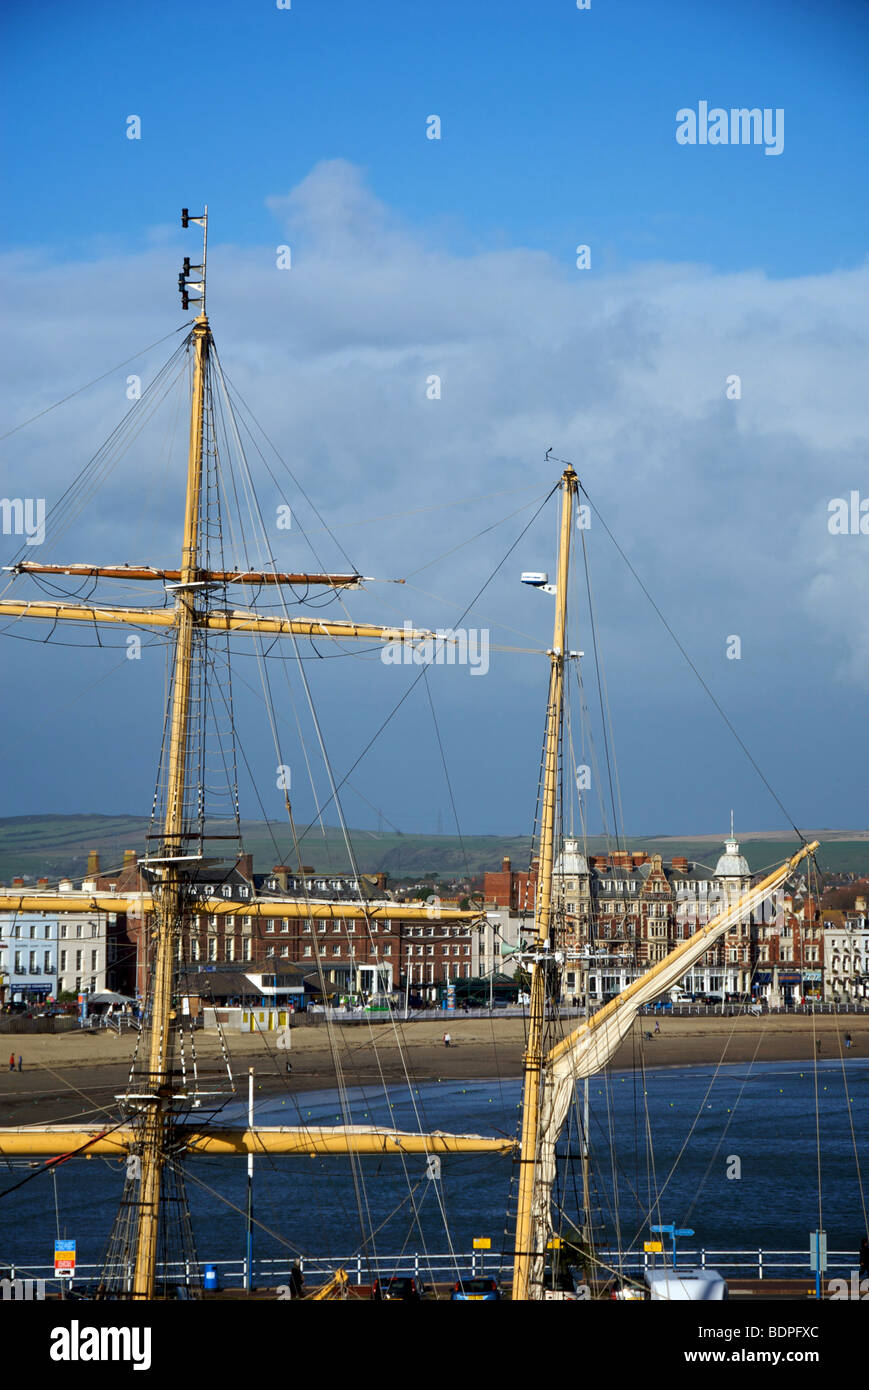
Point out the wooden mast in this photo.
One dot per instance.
(543, 913)
(169, 888)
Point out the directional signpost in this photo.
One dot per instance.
(64, 1259)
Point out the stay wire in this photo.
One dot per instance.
(95, 382)
(693, 667)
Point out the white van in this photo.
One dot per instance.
(685, 1285)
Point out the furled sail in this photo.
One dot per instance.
(588, 1049)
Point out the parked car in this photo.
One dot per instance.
(476, 1290)
(398, 1288)
(628, 1288)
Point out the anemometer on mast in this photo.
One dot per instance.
(184, 282)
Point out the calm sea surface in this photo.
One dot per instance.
(667, 1152)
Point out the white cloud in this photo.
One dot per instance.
(721, 504)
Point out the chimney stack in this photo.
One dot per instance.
(130, 857)
(93, 863)
(281, 873)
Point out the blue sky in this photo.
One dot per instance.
(457, 256)
(558, 125)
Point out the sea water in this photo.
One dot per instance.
(731, 1152)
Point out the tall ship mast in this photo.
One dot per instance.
(161, 1116)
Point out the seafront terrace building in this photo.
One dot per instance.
(846, 955)
(619, 913)
(46, 954)
(348, 956)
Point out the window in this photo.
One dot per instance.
(227, 890)
(230, 948)
(78, 956)
(248, 949)
(214, 920)
(270, 924)
(247, 923)
(17, 931)
(336, 949)
(230, 923)
(212, 948)
(19, 962)
(307, 951)
(32, 933)
(78, 933)
(63, 960)
(63, 931)
(93, 960)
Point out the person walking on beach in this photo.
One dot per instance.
(447, 1039)
(847, 1039)
(657, 1025)
(818, 1046)
(12, 1062)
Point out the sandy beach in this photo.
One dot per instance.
(75, 1076)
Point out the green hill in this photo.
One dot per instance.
(57, 846)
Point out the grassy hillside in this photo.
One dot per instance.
(55, 846)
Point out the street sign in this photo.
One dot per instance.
(818, 1250)
(64, 1259)
(653, 1247)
